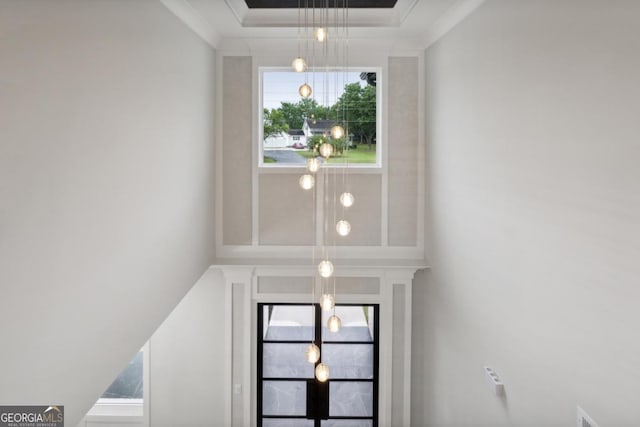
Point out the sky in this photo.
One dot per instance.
(282, 86)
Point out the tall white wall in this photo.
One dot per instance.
(532, 122)
(106, 189)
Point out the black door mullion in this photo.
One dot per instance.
(259, 369)
(323, 396)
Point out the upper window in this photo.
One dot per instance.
(292, 126)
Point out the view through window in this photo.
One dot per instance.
(129, 384)
(125, 397)
(292, 126)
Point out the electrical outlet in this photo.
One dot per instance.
(494, 382)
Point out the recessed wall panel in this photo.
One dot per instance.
(286, 211)
(357, 285)
(403, 151)
(285, 285)
(236, 150)
(365, 214)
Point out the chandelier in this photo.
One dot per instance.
(325, 50)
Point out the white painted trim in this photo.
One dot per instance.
(239, 276)
(219, 231)
(404, 8)
(256, 100)
(228, 351)
(448, 20)
(184, 11)
(354, 169)
(238, 7)
(385, 394)
(421, 155)
(371, 18)
(380, 272)
(248, 391)
(304, 299)
(252, 360)
(406, 416)
(383, 153)
(359, 253)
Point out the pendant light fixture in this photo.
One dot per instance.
(322, 372)
(325, 46)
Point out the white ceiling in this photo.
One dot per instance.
(415, 22)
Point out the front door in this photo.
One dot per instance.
(288, 393)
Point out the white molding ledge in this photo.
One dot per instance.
(194, 20)
(452, 17)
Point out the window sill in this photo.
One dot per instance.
(123, 409)
(353, 168)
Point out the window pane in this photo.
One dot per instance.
(286, 422)
(288, 323)
(347, 423)
(284, 398)
(128, 385)
(286, 361)
(292, 125)
(351, 399)
(349, 360)
(357, 324)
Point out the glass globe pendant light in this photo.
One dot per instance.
(334, 323)
(326, 150)
(343, 227)
(307, 181)
(305, 90)
(320, 34)
(325, 268)
(299, 65)
(322, 372)
(313, 165)
(313, 353)
(347, 199)
(327, 302)
(337, 132)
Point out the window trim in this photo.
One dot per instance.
(380, 136)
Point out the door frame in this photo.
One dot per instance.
(318, 328)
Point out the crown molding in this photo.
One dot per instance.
(194, 20)
(365, 20)
(452, 17)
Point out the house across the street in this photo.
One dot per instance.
(294, 138)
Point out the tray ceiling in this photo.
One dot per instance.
(294, 4)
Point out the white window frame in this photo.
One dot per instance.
(380, 81)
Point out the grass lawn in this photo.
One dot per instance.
(362, 154)
(266, 159)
